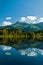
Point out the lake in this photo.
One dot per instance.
(21, 52)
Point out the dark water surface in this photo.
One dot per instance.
(21, 53)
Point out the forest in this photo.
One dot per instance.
(19, 33)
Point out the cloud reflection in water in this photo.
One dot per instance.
(28, 51)
(31, 52)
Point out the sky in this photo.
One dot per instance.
(13, 10)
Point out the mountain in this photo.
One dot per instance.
(24, 26)
(27, 27)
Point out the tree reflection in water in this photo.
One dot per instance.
(21, 42)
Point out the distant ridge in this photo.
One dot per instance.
(24, 26)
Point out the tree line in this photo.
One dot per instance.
(20, 33)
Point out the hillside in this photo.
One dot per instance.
(24, 26)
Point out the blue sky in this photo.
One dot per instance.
(20, 8)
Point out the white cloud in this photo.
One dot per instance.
(22, 19)
(6, 23)
(31, 19)
(40, 19)
(6, 47)
(28, 19)
(8, 18)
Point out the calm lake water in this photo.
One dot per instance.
(21, 53)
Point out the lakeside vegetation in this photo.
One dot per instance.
(19, 38)
(13, 35)
(19, 33)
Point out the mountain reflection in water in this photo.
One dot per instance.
(22, 43)
(29, 56)
(20, 51)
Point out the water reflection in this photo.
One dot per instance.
(28, 51)
(31, 52)
(19, 39)
(5, 49)
(29, 56)
(21, 50)
(22, 43)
